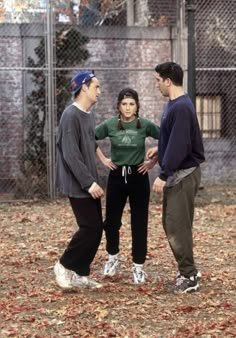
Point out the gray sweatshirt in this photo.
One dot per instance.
(76, 162)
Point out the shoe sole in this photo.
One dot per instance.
(63, 286)
(189, 290)
(86, 287)
(74, 286)
(110, 274)
(96, 287)
(192, 289)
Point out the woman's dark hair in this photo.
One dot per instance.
(172, 71)
(124, 94)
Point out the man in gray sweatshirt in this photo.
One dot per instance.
(76, 177)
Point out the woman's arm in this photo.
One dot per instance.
(106, 161)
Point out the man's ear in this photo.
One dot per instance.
(168, 82)
(84, 87)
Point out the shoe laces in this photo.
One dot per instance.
(85, 281)
(75, 278)
(180, 280)
(113, 259)
(111, 262)
(93, 283)
(140, 274)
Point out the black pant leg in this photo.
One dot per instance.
(139, 195)
(116, 196)
(84, 244)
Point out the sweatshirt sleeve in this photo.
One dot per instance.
(179, 143)
(72, 155)
(153, 130)
(101, 131)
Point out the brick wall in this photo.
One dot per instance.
(11, 110)
(121, 56)
(122, 50)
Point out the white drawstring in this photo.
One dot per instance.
(126, 171)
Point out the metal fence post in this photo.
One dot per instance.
(180, 24)
(130, 13)
(50, 101)
(191, 51)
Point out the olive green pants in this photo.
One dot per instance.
(177, 219)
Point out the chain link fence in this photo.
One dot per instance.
(215, 82)
(45, 42)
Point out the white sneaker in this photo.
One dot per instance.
(139, 274)
(63, 276)
(68, 279)
(111, 265)
(84, 282)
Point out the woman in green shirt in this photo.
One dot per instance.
(128, 178)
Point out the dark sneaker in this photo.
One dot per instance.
(198, 275)
(185, 285)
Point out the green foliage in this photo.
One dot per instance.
(70, 51)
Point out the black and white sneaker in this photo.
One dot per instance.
(138, 274)
(185, 285)
(198, 275)
(111, 266)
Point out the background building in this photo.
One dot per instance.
(44, 42)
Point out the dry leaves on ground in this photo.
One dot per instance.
(34, 235)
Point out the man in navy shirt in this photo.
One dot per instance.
(180, 153)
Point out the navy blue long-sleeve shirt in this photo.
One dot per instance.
(180, 143)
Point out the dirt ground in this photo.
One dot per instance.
(34, 234)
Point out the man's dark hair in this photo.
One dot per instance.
(172, 71)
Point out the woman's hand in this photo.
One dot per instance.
(106, 161)
(109, 164)
(147, 165)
